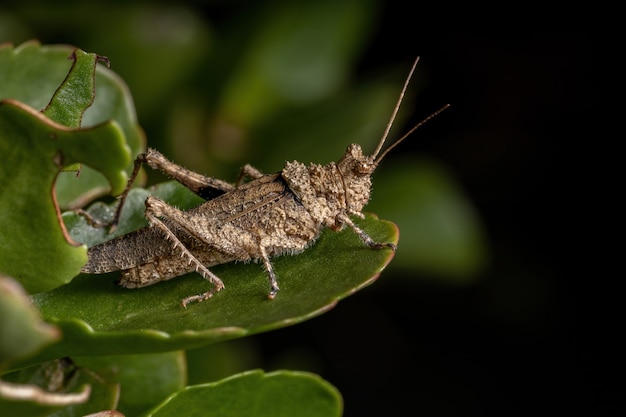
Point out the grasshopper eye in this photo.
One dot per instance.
(363, 168)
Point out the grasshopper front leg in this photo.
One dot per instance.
(365, 238)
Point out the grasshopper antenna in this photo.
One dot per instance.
(393, 118)
(407, 134)
(395, 110)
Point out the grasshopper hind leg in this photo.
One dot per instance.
(177, 244)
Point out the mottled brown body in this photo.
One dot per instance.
(268, 216)
(271, 215)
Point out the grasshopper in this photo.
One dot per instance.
(267, 216)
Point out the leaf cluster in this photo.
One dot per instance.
(81, 332)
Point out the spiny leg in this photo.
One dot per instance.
(365, 238)
(200, 184)
(152, 213)
(205, 187)
(270, 272)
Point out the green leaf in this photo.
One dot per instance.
(255, 393)
(31, 73)
(112, 102)
(43, 76)
(76, 93)
(33, 246)
(22, 332)
(99, 317)
(144, 380)
(35, 149)
(132, 216)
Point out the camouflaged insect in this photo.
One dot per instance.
(270, 215)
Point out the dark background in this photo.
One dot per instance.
(521, 340)
(532, 334)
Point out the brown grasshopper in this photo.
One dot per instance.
(270, 215)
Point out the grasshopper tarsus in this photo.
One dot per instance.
(197, 298)
(273, 290)
(366, 239)
(387, 245)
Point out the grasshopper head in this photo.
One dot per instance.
(356, 170)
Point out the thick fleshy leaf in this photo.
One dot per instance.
(144, 380)
(22, 332)
(98, 317)
(112, 102)
(33, 246)
(35, 147)
(44, 77)
(31, 73)
(76, 92)
(255, 393)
